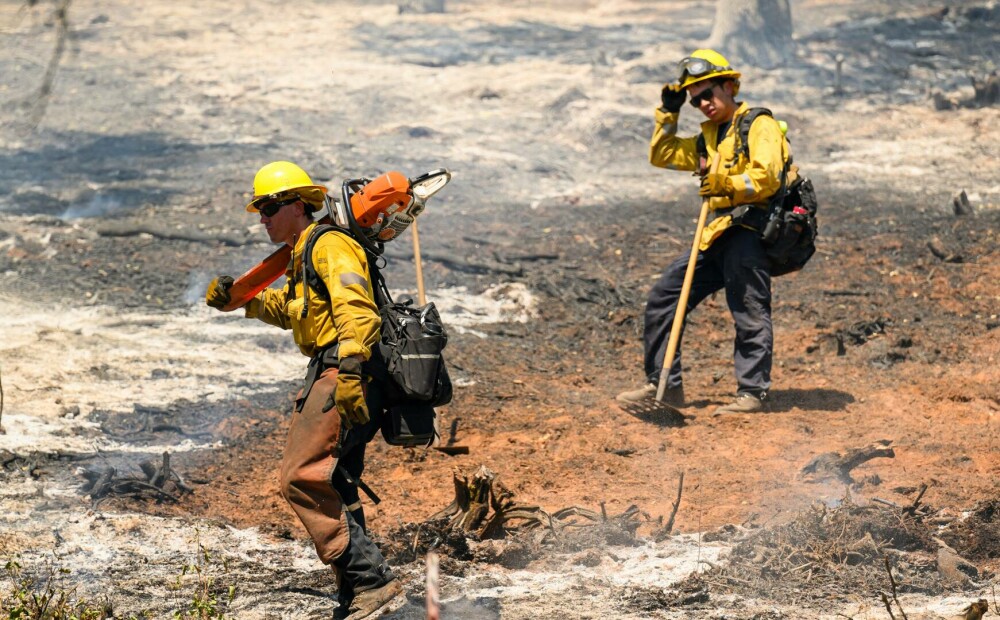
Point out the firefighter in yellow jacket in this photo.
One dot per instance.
(738, 184)
(338, 411)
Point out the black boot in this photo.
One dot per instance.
(367, 584)
(362, 566)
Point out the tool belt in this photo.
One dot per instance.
(327, 358)
(751, 216)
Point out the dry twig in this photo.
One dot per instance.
(892, 583)
(45, 91)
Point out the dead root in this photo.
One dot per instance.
(485, 523)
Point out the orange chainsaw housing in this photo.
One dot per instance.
(381, 199)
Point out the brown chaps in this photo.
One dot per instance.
(307, 467)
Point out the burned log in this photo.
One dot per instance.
(839, 465)
(160, 483)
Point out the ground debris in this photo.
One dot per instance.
(153, 420)
(160, 482)
(862, 331)
(689, 593)
(839, 551)
(486, 524)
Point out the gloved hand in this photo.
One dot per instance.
(350, 394)
(716, 184)
(673, 97)
(217, 295)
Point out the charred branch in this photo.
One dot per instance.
(938, 249)
(839, 465)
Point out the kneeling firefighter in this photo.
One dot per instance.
(742, 157)
(339, 409)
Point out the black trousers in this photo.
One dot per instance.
(737, 263)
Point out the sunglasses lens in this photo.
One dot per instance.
(269, 209)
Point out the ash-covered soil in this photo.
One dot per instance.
(126, 198)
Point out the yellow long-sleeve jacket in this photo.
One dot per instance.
(753, 180)
(350, 317)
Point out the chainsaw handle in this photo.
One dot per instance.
(347, 190)
(258, 278)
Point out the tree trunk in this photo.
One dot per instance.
(754, 32)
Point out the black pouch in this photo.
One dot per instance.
(412, 342)
(789, 237)
(410, 425)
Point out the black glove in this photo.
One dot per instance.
(217, 295)
(673, 97)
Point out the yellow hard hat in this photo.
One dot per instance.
(281, 178)
(705, 64)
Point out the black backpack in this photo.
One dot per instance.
(408, 362)
(789, 229)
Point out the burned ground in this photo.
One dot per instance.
(113, 224)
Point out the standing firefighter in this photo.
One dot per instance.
(738, 180)
(338, 411)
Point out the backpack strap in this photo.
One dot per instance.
(743, 130)
(312, 280)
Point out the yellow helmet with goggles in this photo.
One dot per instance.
(282, 181)
(705, 64)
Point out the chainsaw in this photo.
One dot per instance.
(372, 211)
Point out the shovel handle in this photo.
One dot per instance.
(675, 330)
(421, 296)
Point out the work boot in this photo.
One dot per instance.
(362, 569)
(745, 402)
(370, 602)
(673, 396)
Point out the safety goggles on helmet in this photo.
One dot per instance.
(270, 208)
(697, 67)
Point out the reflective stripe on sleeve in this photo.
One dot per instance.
(748, 190)
(347, 279)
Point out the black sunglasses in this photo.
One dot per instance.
(704, 95)
(271, 208)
